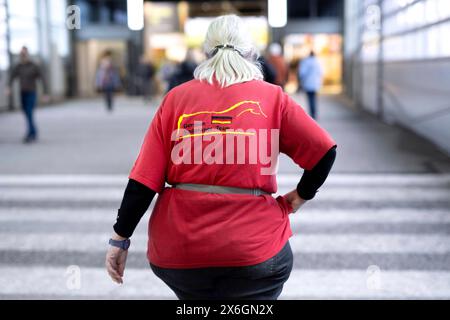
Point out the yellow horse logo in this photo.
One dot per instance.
(223, 117)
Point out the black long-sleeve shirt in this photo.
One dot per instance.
(137, 197)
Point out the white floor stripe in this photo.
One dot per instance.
(65, 179)
(93, 281)
(387, 180)
(348, 243)
(320, 284)
(58, 215)
(372, 284)
(374, 243)
(72, 194)
(306, 215)
(378, 194)
(409, 215)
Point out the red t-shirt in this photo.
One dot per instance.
(190, 141)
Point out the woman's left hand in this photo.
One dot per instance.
(294, 200)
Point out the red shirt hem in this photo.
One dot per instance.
(236, 263)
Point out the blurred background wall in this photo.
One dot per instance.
(397, 60)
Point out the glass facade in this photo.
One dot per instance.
(385, 31)
(409, 29)
(57, 21)
(23, 26)
(412, 29)
(103, 11)
(4, 61)
(40, 25)
(397, 55)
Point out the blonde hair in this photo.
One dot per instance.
(232, 57)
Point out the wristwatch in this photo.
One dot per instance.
(122, 244)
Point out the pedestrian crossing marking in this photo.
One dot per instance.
(63, 201)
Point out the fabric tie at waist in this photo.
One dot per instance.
(218, 189)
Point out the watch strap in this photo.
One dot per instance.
(123, 244)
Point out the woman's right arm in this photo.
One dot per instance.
(309, 146)
(147, 177)
(136, 200)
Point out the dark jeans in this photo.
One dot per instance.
(312, 102)
(109, 95)
(28, 101)
(263, 281)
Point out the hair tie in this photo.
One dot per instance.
(225, 46)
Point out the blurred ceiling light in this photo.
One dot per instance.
(277, 13)
(135, 14)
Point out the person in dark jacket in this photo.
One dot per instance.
(145, 73)
(269, 72)
(107, 79)
(28, 73)
(183, 72)
(276, 59)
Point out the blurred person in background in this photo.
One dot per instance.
(268, 70)
(28, 74)
(107, 79)
(145, 73)
(276, 59)
(217, 232)
(165, 73)
(294, 67)
(311, 76)
(183, 72)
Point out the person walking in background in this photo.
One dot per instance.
(310, 75)
(183, 72)
(145, 73)
(165, 73)
(107, 79)
(28, 73)
(276, 59)
(217, 232)
(268, 70)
